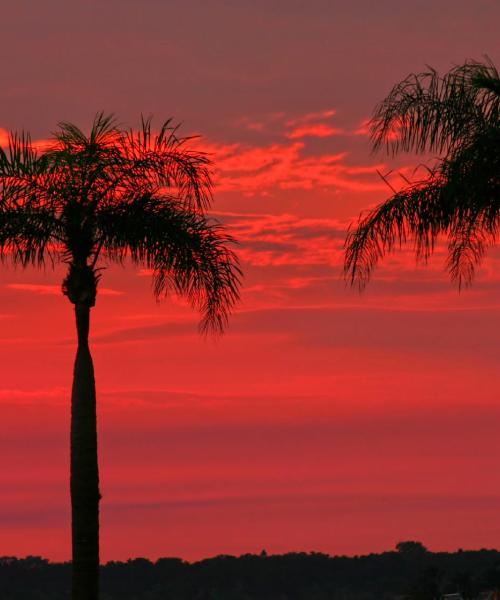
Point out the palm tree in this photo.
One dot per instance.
(457, 116)
(107, 196)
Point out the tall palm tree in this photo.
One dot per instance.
(456, 116)
(88, 200)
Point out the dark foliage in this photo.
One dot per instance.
(97, 199)
(410, 572)
(457, 116)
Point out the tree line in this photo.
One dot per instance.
(410, 572)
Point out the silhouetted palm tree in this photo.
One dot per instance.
(457, 116)
(106, 196)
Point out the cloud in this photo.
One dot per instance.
(364, 130)
(147, 332)
(326, 501)
(285, 166)
(392, 328)
(311, 116)
(4, 137)
(33, 396)
(313, 125)
(54, 290)
(276, 120)
(307, 313)
(252, 125)
(42, 289)
(286, 239)
(300, 162)
(317, 130)
(40, 144)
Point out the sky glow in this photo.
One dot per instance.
(323, 420)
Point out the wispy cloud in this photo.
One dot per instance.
(53, 290)
(311, 116)
(287, 166)
(319, 130)
(33, 396)
(278, 120)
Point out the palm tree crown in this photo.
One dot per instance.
(118, 193)
(457, 116)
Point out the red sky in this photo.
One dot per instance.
(323, 420)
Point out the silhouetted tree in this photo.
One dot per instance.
(411, 547)
(105, 196)
(458, 116)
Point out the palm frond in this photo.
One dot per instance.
(460, 198)
(485, 80)
(165, 159)
(186, 252)
(27, 236)
(102, 131)
(466, 249)
(428, 112)
(473, 181)
(19, 158)
(419, 214)
(457, 114)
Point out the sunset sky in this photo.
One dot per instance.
(324, 419)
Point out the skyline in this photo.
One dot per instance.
(323, 419)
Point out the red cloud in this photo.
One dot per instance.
(364, 129)
(274, 119)
(53, 290)
(315, 130)
(286, 240)
(251, 169)
(312, 116)
(4, 137)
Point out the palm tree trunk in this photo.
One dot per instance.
(84, 469)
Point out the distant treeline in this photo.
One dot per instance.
(408, 572)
